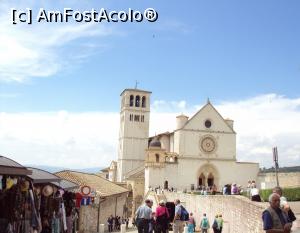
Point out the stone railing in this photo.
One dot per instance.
(239, 213)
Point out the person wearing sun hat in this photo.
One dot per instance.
(47, 191)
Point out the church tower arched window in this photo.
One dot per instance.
(137, 101)
(131, 100)
(143, 102)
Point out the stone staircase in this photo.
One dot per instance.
(239, 213)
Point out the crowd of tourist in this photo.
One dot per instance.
(278, 217)
(114, 223)
(160, 220)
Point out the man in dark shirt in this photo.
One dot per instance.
(275, 221)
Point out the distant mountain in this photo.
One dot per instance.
(281, 169)
(53, 169)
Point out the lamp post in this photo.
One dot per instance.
(275, 159)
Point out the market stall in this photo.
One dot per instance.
(18, 208)
(55, 203)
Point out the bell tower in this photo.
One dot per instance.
(134, 130)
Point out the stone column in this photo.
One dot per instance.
(123, 228)
(101, 228)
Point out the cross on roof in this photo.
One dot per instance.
(136, 84)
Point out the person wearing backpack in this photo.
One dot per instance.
(215, 225)
(180, 217)
(220, 222)
(204, 225)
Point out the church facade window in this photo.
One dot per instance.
(142, 118)
(137, 101)
(207, 124)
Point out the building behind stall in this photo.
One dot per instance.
(200, 152)
(109, 199)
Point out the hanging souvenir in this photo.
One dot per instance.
(47, 191)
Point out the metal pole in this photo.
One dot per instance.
(275, 158)
(277, 167)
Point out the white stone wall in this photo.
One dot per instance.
(189, 144)
(286, 180)
(165, 142)
(133, 135)
(187, 171)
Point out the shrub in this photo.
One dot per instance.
(292, 194)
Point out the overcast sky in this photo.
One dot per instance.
(60, 83)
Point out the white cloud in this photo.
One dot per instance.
(91, 139)
(28, 51)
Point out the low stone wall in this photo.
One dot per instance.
(286, 180)
(113, 205)
(240, 214)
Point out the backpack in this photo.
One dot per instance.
(184, 216)
(204, 223)
(215, 225)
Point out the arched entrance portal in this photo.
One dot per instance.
(210, 180)
(201, 180)
(166, 185)
(208, 175)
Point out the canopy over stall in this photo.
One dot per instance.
(10, 167)
(40, 176)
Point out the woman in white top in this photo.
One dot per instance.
(255, 194)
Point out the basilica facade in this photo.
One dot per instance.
(201, 151)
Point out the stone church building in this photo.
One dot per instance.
(200, 151)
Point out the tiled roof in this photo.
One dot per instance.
(102, 186)
(66, 185)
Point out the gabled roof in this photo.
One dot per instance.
(136, 173)
(112, 164)
(66, 185)
(103, 187)
(201, 109)
(11, 167)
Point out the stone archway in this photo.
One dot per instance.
(201, 180)
(210, 180)
(166, 185)
(209, 175)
